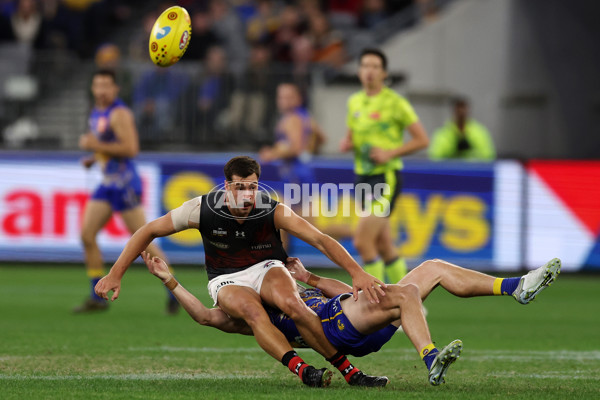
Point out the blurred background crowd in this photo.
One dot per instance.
(222, 92)
(221, 96)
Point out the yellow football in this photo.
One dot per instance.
(170, 36)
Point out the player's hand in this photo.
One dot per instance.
(157, 266)
(346, 144)
(107, 284)
(294, 265)
(88, 142)
(371, 286)
(380, 156)
(87, 162)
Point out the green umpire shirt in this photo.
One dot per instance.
(477, 144)
(378, 121)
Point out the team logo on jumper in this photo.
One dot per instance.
(340, 325)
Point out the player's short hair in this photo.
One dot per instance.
(374, 52)
(106, 72)
(242, 166)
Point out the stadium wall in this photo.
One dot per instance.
(499, 216)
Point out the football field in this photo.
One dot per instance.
(549, 349)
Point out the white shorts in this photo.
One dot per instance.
(250, 277)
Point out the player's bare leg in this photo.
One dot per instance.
(464, 282)
(134, 219)
(279, 290)
(95, 216)
(400, 304)
(365, 242)
(459, 281)
(244, 303)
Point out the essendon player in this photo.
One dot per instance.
(245, 264)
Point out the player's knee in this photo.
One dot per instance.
(88, 239)
(295, 308)
(404, 293)
(429, 266)
(253, 314)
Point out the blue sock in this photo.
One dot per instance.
(430, 357)
(94, 296)
(509, 285)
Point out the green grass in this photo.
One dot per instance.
(548, 349)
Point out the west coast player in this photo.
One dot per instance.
(113, 139)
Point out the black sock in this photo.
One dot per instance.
(341, 362)
(294, 362)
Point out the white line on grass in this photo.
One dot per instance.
(475, 355)
(548, 375)
(127, 377)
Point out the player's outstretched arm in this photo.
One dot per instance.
(160, 227)
(329, 287)
(289, 221)
(214, 317)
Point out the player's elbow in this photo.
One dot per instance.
(202, 319)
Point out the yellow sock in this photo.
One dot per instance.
(396, 270)
(93, 273)
(498, 286)
(376, 269)
(425, 350)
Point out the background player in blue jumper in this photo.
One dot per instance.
(113, 139)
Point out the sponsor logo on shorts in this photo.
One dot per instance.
(224, 283)
(162, 32)
(336, 304)
(269, 264)
(184, 40)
